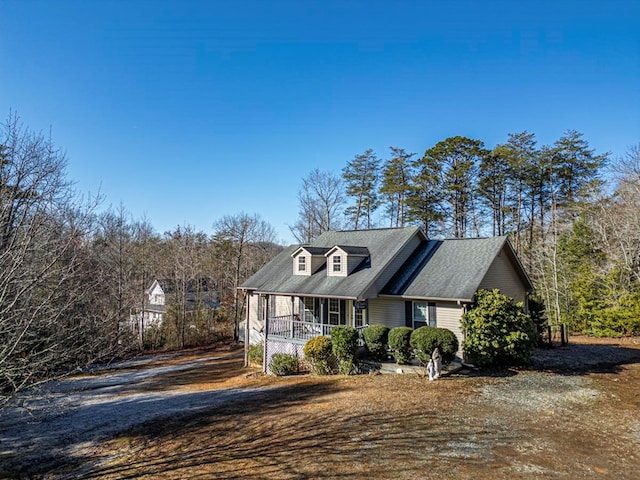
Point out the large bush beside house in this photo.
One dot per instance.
(318, 353)
(425, 340)
(344, 341)
(399, 344)
(376, 339)
(497, 331)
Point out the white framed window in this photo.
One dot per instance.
(424, 313)
(361, 317)
(302, 263)
(334, 311)
(309, 309)
(337, 263)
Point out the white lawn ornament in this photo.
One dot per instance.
(437, 360)
(431, 370)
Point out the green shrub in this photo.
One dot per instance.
(497, 331)
(344, 342)
(425, 340)
(283, 364)
(376, 338)
(399, 343)
(255, 353)
(318, 352)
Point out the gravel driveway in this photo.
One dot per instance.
(55, 420)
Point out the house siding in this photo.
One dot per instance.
(448, 315)
(503, 276)
(389, 312)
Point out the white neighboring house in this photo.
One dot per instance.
(162, 293)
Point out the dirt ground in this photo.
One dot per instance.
(575, 414)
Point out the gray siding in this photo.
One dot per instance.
(448, 315)
(503, 276)
(386, 311)
(391, 312)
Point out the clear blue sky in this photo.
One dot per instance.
(186, 111)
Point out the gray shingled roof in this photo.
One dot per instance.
(436, 269)
(314, 250)
(353, 250)
(383, 246)
(448, 269)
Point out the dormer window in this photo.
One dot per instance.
(337, 263)
(343, 260)
(307, 260)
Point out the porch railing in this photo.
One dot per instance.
(286, 327)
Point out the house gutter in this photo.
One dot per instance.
(298, 294)
(459, 301)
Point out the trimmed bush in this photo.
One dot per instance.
(497, 330)
(447, 344)
(255, 353)
(344, 342)
(283, 364)
(399, 343)
(425, 340)
(318, 352)
(376, 338)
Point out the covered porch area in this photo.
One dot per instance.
(302, 318)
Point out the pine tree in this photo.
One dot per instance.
(396, 185)
(361, 177)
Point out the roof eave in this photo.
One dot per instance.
(298, 294)
(417, 297)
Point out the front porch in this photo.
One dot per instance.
(291, 328)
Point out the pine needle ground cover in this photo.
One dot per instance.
(201, 415)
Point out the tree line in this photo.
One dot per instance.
(72, 275)
(570, 213)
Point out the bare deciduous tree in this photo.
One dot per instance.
(321, 200)
(245, 243)
(43, 322)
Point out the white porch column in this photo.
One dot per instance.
(266, 334)
(247, 323)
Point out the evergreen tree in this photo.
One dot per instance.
(454, 162)
(576, 167)
(396, 185)
(424, 199)
(492, 188)
(361, 177)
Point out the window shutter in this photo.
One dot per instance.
(432, 315)
(343, 311)
(408, 313)
(324, 308)
(316, 309)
